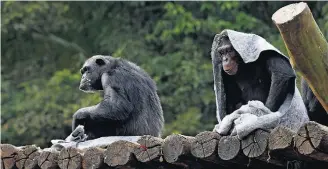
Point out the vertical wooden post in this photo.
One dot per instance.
(306, 46)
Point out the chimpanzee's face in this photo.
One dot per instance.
(229, 56)
(91, 74)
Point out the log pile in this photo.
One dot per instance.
(281, 148)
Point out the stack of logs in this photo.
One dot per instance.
(281, 148)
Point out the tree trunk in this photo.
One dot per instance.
(306, 46)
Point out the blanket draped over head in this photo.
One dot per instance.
(250, 47)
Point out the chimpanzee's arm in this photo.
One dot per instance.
(282, 79)
(115, 106)
(233, 95)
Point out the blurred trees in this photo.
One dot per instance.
(45, 43)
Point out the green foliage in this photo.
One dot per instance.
(45, 43)
(45, 110)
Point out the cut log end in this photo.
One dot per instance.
(281, 138)
(205, 144)
(69, 158)
(93, 158)
(8, 153)
(176, 145)
(119, 153)
(306, 46)
(228, 147)
(312, 140)
(289, 12)
(48, 159)
(28, 157)
(255, 144)
(149, 149)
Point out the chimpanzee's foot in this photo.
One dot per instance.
(77, 135)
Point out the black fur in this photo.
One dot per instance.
(315, 110)
(130, 105)
(268, 80)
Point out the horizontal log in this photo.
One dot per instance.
(150, 148)
(281, 138)
(255, 144)
(48, 159)
(120, 153)
(176, 145)
(312, 140)
(27, 157)
(228, 147)
(70, 158)
(8, 153)
(93, 157)
(205, 144)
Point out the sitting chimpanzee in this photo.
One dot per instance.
(253, 70)
(130, 106)
(315, 110)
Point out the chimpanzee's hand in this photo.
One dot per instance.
(227, 123)
(80, 117)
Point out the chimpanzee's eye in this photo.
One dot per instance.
(84, 69)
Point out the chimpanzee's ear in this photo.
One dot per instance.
(100, 62)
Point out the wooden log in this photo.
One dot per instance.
(281, 138)
(48, 159)
(93, 157)
(70, 158)
(176, 145)
(306, 45)
(255, 144)
(8, 153)
(150, 148)
(120, 153)
(228, 147)
(27, 157)
(205, 144)
(281, 146)
(312, 140)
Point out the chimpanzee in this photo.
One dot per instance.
(253, 70)
(315, 110)
(130, 106)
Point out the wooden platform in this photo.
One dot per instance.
(282, 148)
